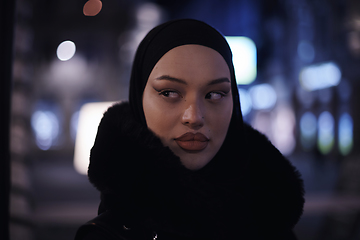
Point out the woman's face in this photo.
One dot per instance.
(187, 102)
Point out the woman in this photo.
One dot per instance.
(177, 161)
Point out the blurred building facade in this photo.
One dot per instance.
(298, 42)
(21, 201)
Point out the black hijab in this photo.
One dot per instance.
(167, 36)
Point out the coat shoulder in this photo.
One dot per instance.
(109, 226)
(277, 186)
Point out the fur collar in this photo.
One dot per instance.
(248, 186)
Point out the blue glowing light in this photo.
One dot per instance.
(263, 96)
(345, 134)
(244, 59)
(245, 101)
(326, 132)
(46, 127)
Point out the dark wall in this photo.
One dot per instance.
(6, 52)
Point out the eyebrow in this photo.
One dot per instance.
(173, 79)
(219, 80)
(178, 80)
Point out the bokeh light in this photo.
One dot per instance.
(245, 101)
(74, 124)
(320, 76)
(92, 7)
(46, 127)
(148, 15)
(345, 134)
(263, 96)
(88, 120)
(244, 59)
(325, 132)
(283, 124)
(66, 50)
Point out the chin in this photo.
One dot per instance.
(193, 162)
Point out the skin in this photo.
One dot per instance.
(189, 90)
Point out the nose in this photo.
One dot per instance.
(193, 116)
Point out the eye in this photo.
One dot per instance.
(169, 94)
(214, 95)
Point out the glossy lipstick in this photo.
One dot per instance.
(193, 142)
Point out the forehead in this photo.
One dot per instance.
(192, 59)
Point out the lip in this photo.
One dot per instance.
(192, 142)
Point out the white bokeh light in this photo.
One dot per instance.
(89, 118)
(244, 59)
(66, 50)
(320, 76)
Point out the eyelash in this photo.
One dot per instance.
(166, 93)
(222, 94)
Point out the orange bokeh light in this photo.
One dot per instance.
(92, 7)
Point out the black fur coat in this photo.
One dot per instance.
(248, 191)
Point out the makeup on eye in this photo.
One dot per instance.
(168, 93)
(174, 88)
(215, 95)
(218, 91)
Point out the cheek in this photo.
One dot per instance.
(158, 118)
(222, 114)
(153, 116)
(220, 122)
(162, 127)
